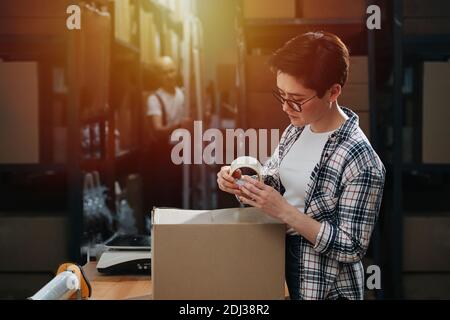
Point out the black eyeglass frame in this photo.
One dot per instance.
(295, 105)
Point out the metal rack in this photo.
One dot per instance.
(419, 47)
(63, 45)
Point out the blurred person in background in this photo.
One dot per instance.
(165, 112)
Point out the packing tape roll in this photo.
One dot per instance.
(60, 287)
(247, 162)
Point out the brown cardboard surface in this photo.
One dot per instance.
(267, 9)
(258, 74)
(36, 244)
(33, 8)
(436, 94)
(355, 97)
(364, 123)
(359, 70)
(218, 254)
(123, 20)
(426, 8)
(419, 285)
(425, 26)
(226, 77)
(332, 9)
(264, 111)
(426, 244)
(19, 109)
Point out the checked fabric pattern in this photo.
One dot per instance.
(344, 194)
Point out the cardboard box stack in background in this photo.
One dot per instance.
(355, 94)
(435, 128)
(265, 9)
(226, 77)
(235, 253)
(259, 76)
(150, 50)
(424, 17)
(17, 78)
(43, 17)
(332, 9)
(95, 49)
(122, 20)
(32, 249)
(263, 110)
(426, 257)
(307, 9)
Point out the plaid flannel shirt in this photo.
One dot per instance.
(344, 195)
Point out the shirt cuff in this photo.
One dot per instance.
(325, 238)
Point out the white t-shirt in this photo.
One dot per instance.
(298, 164)
(174, 106)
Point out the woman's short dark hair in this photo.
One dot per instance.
(317, 59)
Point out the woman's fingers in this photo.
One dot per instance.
(250, 194)
(227, 184)
(249, 202)
(236, 192)
(224, 174)
(258, 184)
(253, 189)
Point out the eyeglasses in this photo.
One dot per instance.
(296, 105)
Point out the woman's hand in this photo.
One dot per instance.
(226, 182)
(259, 195)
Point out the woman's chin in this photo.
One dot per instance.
(297, 121)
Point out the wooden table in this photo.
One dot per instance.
(121, 287)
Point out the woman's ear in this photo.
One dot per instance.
(335, 92)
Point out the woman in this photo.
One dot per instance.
(324, 180)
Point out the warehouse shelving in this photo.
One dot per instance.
(60, 47)
(407, 48)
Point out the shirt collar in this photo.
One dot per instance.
(346, 129)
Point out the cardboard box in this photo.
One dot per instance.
(19, 120)
(426, 8)
(436, 93)
(150, 50)
(95, 48)
(426, 26)
(258, 74)
(332, 9)
(122, 20)
(265, 112)
(359, 70)
(20, 286)
(32, 244)
(226, 77)
(355, 96)
(235, 253)
(364, 123)
(426, 286)
(33, 8)
(268, 9)
(426, 243)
